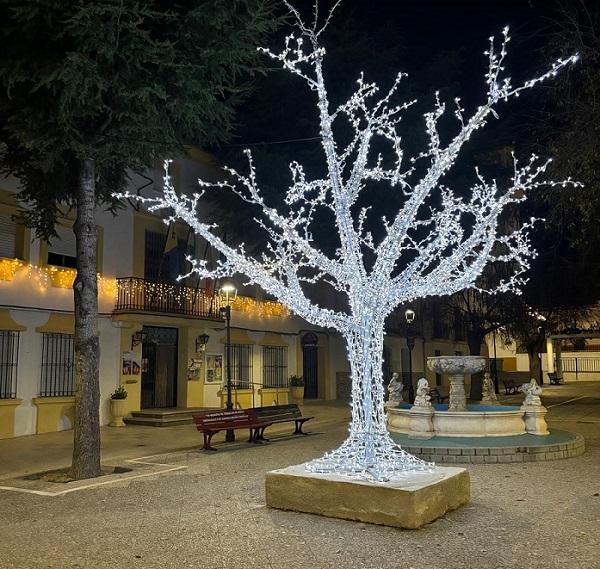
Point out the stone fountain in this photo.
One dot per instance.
(456, 367)
(457, 419)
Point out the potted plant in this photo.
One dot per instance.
(297, 388)
(118, 406)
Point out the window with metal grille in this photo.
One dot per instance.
(57, 365)
(9, 355)
(275, 359)
(241, 365)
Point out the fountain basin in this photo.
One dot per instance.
(476, 421)
(456, 365)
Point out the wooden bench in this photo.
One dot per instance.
(554, 379)
(436, 396)
(211, 422)
(279, 414)
(510, 388)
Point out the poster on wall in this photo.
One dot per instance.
(131, 363)
(214, 368)
(194, 369)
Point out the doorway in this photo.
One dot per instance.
(310, 365)
(159, 368)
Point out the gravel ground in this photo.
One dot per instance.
(212, 515)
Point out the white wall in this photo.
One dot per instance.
(30, 361)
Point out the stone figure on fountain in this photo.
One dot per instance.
(395, 388)
(488, 391)
(535, 422)
(532, 393)
(422, 398)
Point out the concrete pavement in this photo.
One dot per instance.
(212, 515)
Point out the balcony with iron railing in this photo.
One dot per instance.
(136, 294)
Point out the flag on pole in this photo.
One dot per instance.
(172, 253)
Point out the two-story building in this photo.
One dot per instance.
(162, 340)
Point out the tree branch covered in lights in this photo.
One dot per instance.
(438, 243)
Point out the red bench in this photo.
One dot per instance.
(211, 422)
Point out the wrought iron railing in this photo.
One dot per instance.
(135, 294)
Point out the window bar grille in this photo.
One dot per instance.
(9, 356)
(57, 365)
(274, 366)
(241, 365)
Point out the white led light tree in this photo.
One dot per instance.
(429, 247)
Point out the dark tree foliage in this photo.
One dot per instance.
(121, 81)
(569, 130)
(92, 89)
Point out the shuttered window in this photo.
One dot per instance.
(61, 250)
(8, 233)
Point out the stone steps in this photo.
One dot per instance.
(163, 417)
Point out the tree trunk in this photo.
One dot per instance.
(86, 447)
(474, 339)
(535, 366)
(368, 448)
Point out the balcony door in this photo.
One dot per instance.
(159, 368)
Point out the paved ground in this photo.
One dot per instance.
(212, 514)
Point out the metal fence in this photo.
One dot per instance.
(580, 365)
(57, 365)
(9, 357)
(275, 360)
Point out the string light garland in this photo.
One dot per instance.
(437, 253)
(108, 287)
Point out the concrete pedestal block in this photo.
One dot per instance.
(535, 419)
(411, 501)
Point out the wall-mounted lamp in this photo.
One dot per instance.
(138, 338)
(201, 342)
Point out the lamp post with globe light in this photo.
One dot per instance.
(409, 315)
(228, 292)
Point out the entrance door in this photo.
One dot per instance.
(310, 366)
(159, 369)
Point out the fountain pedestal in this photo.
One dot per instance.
(535, 419)
(457, 400)
(456, 367)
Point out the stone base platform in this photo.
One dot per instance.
(412, 501)
(493, 450)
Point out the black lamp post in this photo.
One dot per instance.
(228, 292)
(495, 368)
(409, 315)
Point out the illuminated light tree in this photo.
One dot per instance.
(430, 247)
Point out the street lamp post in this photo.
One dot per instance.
(495, 368)
(409, 315)
(228, 292)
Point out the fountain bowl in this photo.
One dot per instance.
(456, 365)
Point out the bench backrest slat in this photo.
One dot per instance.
(291, 411)
(223, 419)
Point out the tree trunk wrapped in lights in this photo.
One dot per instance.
(426, 249)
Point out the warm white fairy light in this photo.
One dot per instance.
(418, 256)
